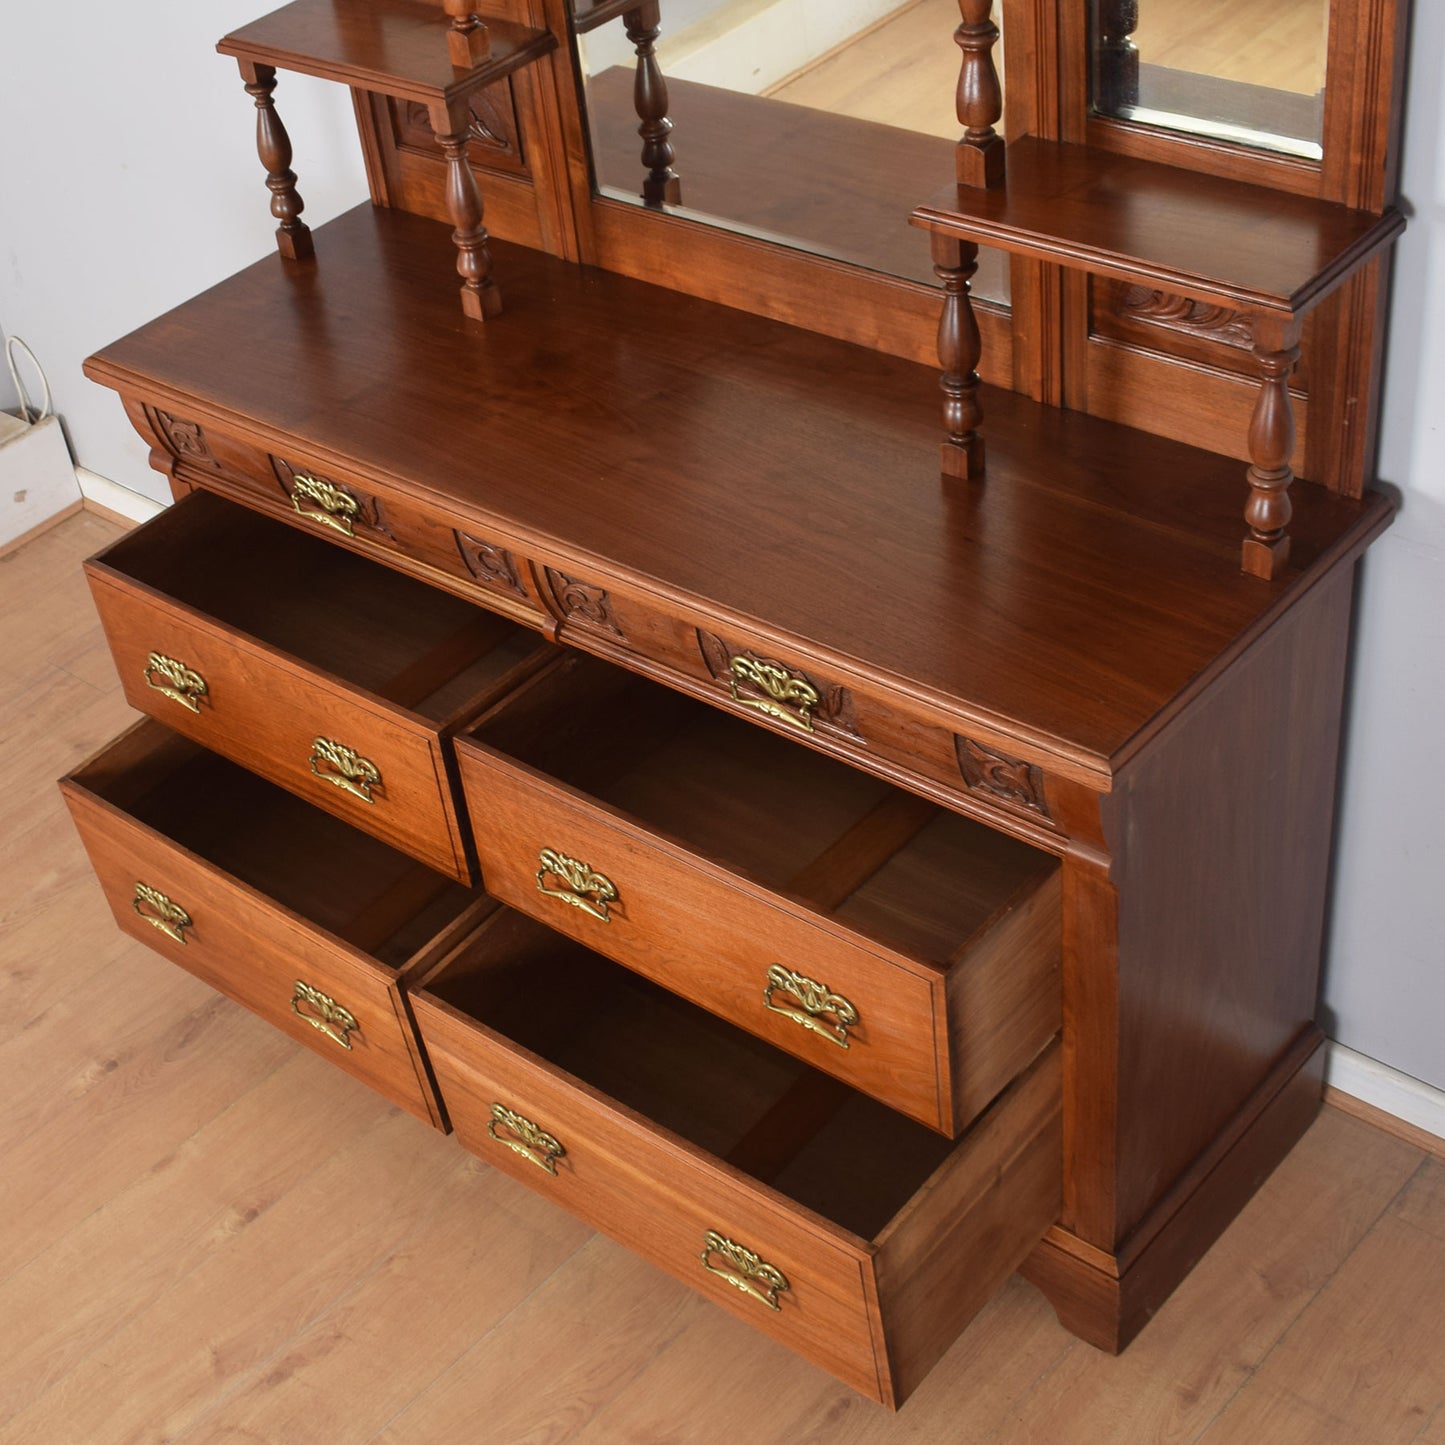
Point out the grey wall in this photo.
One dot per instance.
(131, 182)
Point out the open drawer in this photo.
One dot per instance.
(331, 675)
(853, 1235)
(895, 945)
(285, 909)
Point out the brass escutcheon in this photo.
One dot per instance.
(789, 698)
(814, 1000)
(323, 1013)
(175, 680)
(744, 1271)
(533, 1144)
(338, 508)
(590, 891)
(349, 771)
(160, 912)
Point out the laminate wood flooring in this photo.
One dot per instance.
(210, 1236)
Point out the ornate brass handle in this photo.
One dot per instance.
(744, 1270)
(533, 1144)
(814, 1000)
(337, 508)
(177, 681)
(789, 698)
(323, 1013)
(349, 771)
(590, 891)
(160, 912)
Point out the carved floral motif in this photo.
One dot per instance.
(185, 438)
(1000, 777)
(579, 601)
(491, 565)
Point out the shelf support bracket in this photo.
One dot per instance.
(273, 145)
(980, 153)
(959, 349)
(1271, 446)
(481, 299)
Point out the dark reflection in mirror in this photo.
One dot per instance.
(816, 126)
(1253, 76)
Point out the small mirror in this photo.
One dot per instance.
(818, 126)
(1251, 74)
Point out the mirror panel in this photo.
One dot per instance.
(1250, 74)
(815, 126)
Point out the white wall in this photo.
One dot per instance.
(131, 182)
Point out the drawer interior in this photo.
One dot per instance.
(824, 1145)
(346, 882)
(886, 863)
(371, 626)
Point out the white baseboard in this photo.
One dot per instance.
(1385, 1088)
(116, 498)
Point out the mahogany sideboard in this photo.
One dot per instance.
(598, 724)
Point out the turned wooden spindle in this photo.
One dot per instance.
(649, 95)
(273, 145)
(467, 39)
(1116, 57)
(1271, 445)
(959, 348)
(480, 297)
(980, 153)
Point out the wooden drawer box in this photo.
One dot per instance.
(288, 911)
(330, 675)
(855, 1237)
(897, 946)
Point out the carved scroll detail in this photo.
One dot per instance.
(185, 438)
(579, 601)
(491, 565)
(1176, 313)
(1000, 777)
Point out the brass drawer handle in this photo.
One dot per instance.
(533, 1144)
(323, 1013)
(347, 770)
(744, 1270)
(177, 681)
(160, 912)
(789, 699)
(814, 1000)
(590, 891)
(338, 509)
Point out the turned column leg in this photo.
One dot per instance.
(980, 154)
(480, 297)
(649, 94)
(467, 38)
(1271, 445)
(273, 145)
(959, 348)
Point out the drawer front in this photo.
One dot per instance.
(344, 1006)
(716, 941)
(816, 705)
(665, 1201)
(377, 769)
(353, 511)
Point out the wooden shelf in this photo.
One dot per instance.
(751, 471)
(393, 47)
(1192, 235)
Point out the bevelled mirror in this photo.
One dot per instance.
(815, 124)
(1251, 75)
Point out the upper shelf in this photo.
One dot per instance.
(1192, 235)
(393, 47)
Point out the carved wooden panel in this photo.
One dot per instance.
(370, 515)
(834, 709)
(494, 137)
(578, 601)
(1000, 778)
(184, 438)
(491, 565)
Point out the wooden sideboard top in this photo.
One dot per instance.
(1072, 598)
